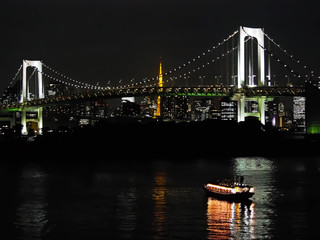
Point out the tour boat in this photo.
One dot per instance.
(229, 189)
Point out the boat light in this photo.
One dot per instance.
(220, 187)
(251, 190)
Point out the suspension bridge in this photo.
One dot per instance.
(248, 65)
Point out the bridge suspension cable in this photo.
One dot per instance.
(283, 64)
(289, 55)
(12, 82)
(186, 64)
(216, 59)
(276, 58)
(220, 44)
(197, 65)
(148, 81)
(74, 83)
(207, 63)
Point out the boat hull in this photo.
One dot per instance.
(243, 196)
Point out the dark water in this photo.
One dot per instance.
(159, 200)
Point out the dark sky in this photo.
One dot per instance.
(108, 40)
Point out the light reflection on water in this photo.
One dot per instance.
(165, 201)
(228, 220)
(31, 215)
(159, 198)
(260, 172)
(126, 212)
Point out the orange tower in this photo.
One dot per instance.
(160, 84)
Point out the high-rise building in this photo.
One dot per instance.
(229, 110)
(272, 113)
(176, 108)
(147, 107)
(278, 113)
(299, 114)
(129, 108)
(203, 109)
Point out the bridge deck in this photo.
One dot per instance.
(206, 91)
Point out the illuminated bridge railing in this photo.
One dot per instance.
(274, 91)
(208, 91)
(130, 92)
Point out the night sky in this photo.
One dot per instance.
(107, 40)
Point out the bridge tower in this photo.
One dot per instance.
(35, 112)
(258, 34)
(160, 84)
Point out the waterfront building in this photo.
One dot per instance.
(129, 109)
(272, 113)
(74, 114)
(176, 108)
(147, 107)
(229, 110)
(299, 115)
(278, 113)
(202, 109)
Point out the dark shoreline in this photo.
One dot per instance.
(177, 141)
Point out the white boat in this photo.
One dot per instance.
(229, 189)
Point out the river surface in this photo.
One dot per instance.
(159, 199)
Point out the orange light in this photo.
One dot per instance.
(160, 84)
(158, 113)
(233, 190)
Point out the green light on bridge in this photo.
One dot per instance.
(13, 110)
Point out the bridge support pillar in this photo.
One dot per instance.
(24, 122)
(262, 111)
(37, 118)
(245, 109)
(36, 113)
(241, 106)
(40, 120)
